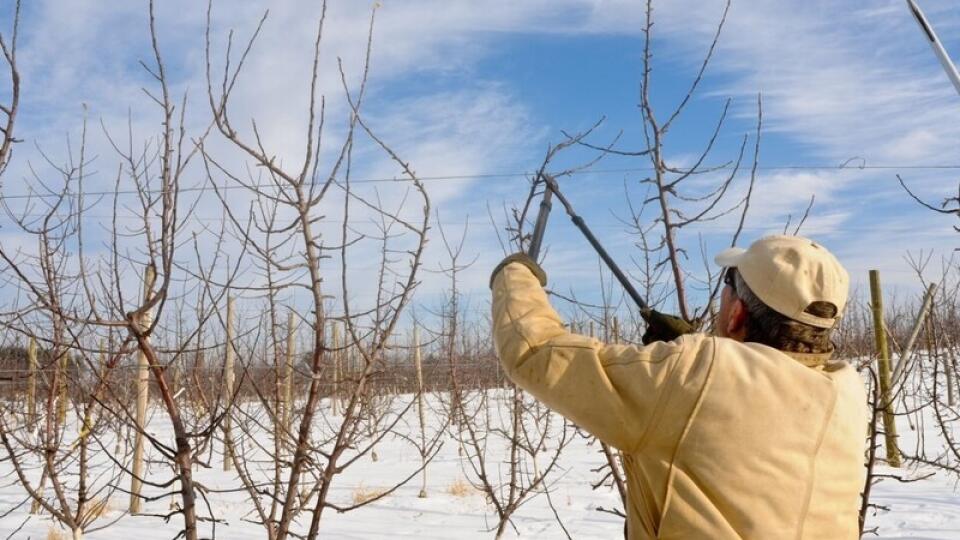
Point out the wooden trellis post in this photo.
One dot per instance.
(32, 407)
(105, 357)
(883, 361)
(418, 365)
(200, 377)
(86, 425)
(62, 388)
(143, 381)
(228, 381)
(337, 354)
(288, 374)
(119, 442)
(949, 359)
(32, 381)
(907, 351)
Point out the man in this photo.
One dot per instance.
(750, 433)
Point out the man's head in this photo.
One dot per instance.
(787, 292)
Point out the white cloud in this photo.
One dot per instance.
(847, 78)
(839, 79)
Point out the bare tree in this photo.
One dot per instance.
(485, 418)
(80, 299)
(283, 231)
(68, 350)
(675, 205)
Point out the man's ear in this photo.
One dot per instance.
(737, 323)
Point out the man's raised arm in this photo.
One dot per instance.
(613, 391)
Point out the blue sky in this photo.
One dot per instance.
(481, 88)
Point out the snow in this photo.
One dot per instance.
(929, 508)
(925, 509)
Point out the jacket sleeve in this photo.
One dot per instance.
(615, 392)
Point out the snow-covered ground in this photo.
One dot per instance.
(926, 509)
(923, 507)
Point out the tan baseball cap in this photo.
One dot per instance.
(788, 273)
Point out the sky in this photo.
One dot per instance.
(471, 95)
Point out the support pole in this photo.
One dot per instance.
(229, 378)
(32, 409)
(62, 396)
(32, 381)
(883, 361)
(143, 381)
(917, 326)
(88, 415)
(418, 365)
(950, 369)
(335, 404)
(288, 374)
(934, 336)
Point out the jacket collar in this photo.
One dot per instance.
(811, 360)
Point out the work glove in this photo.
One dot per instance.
(525, 260)
(663, 327)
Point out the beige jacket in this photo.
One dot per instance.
(720, 439)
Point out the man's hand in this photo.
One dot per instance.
(663, 327)
(525, 260)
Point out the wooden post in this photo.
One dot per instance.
(88, 421)
(883, 361)
(62, 388)
(86, 425)
(933, 349)
(907, 351)
(616, 329)
(418, 365)
(337, 355)
(949, 361)
(177, 382)
(32, 410)
(199, 377)
(32, 381)
(228, 381)
(35, 507)
(143, 381)
(104, 357)
(288, 374)
(119, 442)
(950, 369)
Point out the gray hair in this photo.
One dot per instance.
(771, 328)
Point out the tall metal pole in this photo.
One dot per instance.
(935, 44)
